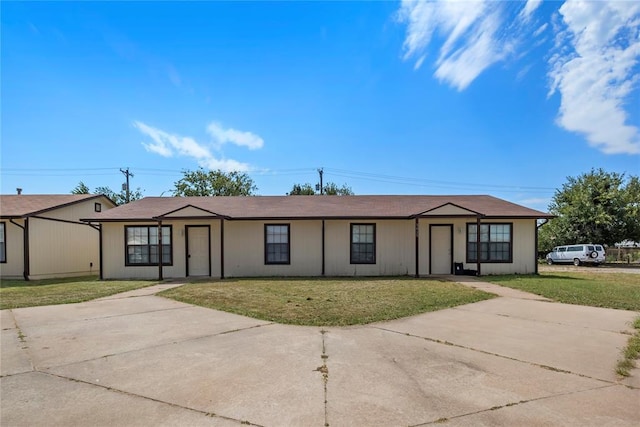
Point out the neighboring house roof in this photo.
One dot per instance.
(23, 205)
(312, 207)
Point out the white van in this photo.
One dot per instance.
(586, 253)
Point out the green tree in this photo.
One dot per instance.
(81, 188)
(214, 183)
(302, 190)
(119, 198)
(632, 208)
(595, 207)
(330, 189)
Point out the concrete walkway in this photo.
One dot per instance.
(136, 359)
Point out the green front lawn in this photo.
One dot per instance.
(611, 290)
(20, 293)
(326, 302)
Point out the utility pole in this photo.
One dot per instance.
(127, 174)
(321, 171)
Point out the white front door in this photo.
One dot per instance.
(441, 249)
(198, 251)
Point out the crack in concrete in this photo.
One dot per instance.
(511, 316)
(121, 295)
(324, 369)
(506, 405)
(175, 405)
(153, 346)
(91, 319)
(25, 347)
(551, 368)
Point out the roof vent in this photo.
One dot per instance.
(19, 191)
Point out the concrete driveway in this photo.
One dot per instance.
(139, 359)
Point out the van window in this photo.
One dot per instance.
(590, 248)
(599, 248)
(574, 248)
(562, 249)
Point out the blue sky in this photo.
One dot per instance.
(503, 98)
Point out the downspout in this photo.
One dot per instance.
(478, 251)
(417, 248)
(160, 276)
(535, 252)
(222, 248)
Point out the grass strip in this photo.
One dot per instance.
(326, 302)
(631, 353)
(610, 290)
(20, 293)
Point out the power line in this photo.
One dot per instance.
(427, 182)
(367, 176)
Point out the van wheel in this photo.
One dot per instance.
(594, 254)
(576, 262)
(549, 261)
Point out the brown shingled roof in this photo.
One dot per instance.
(17, 206)
(307, 207)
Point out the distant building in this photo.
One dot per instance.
(41, 236)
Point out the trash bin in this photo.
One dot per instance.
(457, 268)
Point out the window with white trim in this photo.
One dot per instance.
(277, 246)
(141, 245)
(496, 242)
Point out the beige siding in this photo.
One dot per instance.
(523, 246)
(59, 244)
(244, 249)
(113, 236)
(395, 249)
(61, 249)
(524, 250)
(14, 240)
(78, 210)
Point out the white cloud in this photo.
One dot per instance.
(473, 31)
(540, 29)
(595, 69)
(226, 165)
(241, 138)
(529, 8)
(169, 145)
(594, 65)
(466, 63)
